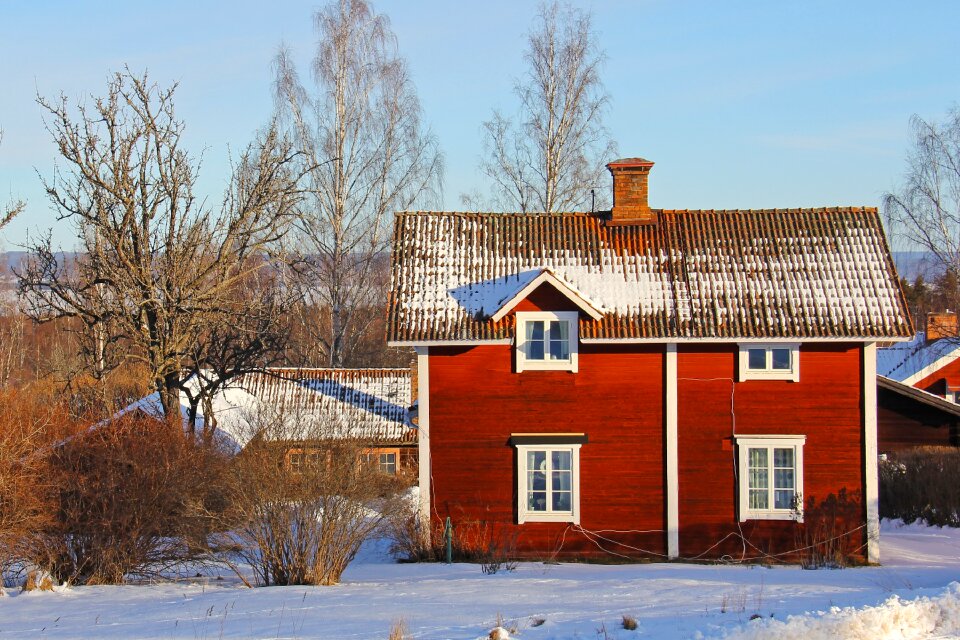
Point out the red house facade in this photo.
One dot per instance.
(645, 383)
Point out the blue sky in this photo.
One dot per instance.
(740, 104)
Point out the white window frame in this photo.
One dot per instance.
(523, 513)
(570, 317)
(769, 442)
(769, 373)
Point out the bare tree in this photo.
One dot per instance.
(552, 154)
(157, 268)
(925, 211)
(11, 210)
(369, 155)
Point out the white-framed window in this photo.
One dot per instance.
(547, 340)
(779, 361)
(770, 477)
(548, 483)
(383, 460)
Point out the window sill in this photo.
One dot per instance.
(547, 517)
(773, 515)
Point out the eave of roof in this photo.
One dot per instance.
(919, 395)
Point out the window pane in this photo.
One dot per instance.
(559, 330)
(758, 458)
(537, 460)
(759, 499)
(783, 499)
(783, 458)
(756, 358)
(758, 479)
(537, 500)
(535, 330)
(535, 351)
(560, 460)
(781, 358)
(561, 481)
(559, 350)
(561, 501)
(783, 479)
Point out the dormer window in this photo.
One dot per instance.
(546, 340)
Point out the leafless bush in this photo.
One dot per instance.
(398, 631)
(302, 520)
(922, 484)
(491, 546)
(135, 498)
(832, 532)
(501, 550)
(26, 505)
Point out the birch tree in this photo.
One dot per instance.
(358, 124)
(158, 267)
(926, 209)
(552, 153)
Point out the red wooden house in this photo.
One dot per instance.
(919, 388)
(646, 383)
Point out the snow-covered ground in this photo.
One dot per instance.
(911, 596)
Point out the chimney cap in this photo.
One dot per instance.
(628, 163)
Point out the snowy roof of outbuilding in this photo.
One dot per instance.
(910, 362)
(365, 404)
(774, 273)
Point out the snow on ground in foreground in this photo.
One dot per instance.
(911, 596)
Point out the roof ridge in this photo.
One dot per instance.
(520, 214)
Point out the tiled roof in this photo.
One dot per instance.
(366, 404)
(371, 403)
(776, 273)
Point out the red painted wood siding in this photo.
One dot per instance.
(825, 405)
(476, 402)
(938, 381)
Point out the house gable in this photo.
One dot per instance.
(547, 292)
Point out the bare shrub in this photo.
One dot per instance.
(629, 623)
(38, 581)
(832, 533)
(301, 520)
(398, 631)
(489, 544)
(135, 498)
(501, 550)
(922, 484)
(27, 425)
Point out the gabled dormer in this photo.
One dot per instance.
(547, 311)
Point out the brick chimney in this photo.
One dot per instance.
(941, 324)
(630, 191)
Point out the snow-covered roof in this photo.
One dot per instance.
(367, 404)
(910, 362)
(790, 273)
